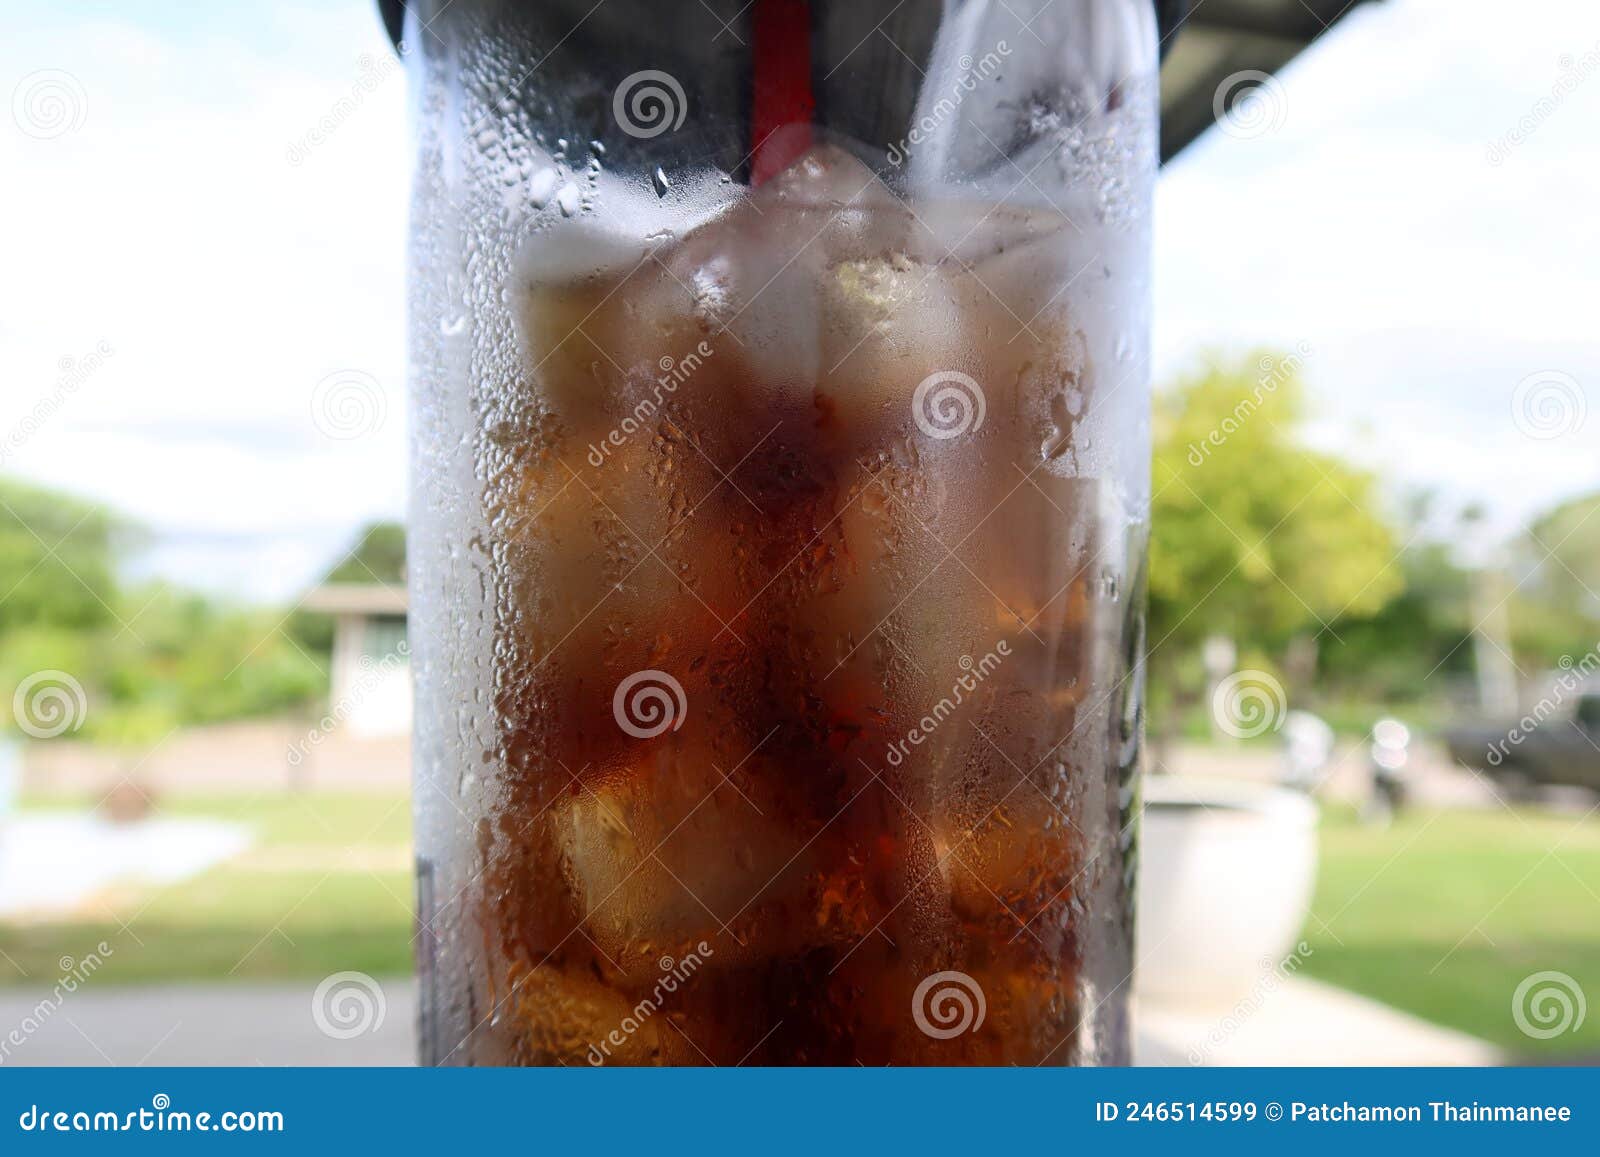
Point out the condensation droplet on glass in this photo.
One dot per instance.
(1110, 589)
(568, 199)
(543, 186)
(453, 326)
(659, 180)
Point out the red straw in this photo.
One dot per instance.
(781, 84)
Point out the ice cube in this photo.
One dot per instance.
(827, 177)
(974, 234)
(889, 323)
(611, 571)
(1007, 861)
(681, 847)
(563, 1017)
(754, 276)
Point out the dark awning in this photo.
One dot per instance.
(1219, 38)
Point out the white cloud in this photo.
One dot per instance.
(227, 281)
(1373, 224)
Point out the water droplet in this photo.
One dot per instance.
(659, 180)
(543, 186)
(1110, 589)
(568, 199)
(453, 326)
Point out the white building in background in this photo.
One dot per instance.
(370, 678)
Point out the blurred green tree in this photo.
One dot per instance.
(1254, 534)
(57, 559)
(204, 662)
(145, 660)
(1555, 569)
(1424, 632)
(379, 556)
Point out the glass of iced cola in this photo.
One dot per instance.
(778, 520)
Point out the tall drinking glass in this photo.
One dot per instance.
(780, 484)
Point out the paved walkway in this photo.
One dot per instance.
(1301, 1022)
(209, 1024)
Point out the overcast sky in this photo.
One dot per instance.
(155, 216)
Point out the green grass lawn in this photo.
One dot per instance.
(257, 918)
(1442, 915)
(1445, 913)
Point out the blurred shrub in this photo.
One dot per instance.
(57, 559)
(147, 658)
